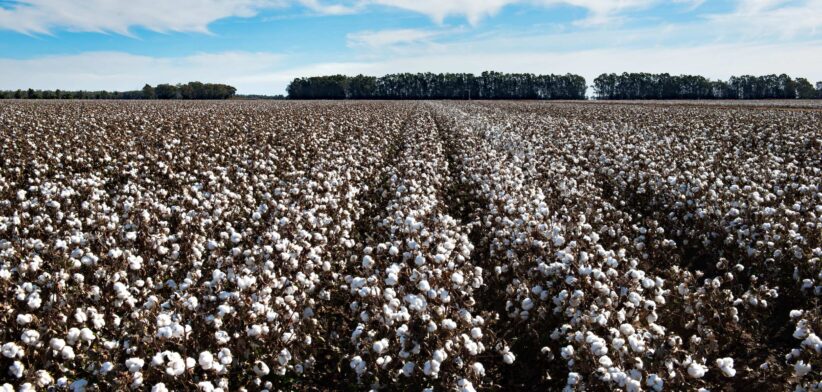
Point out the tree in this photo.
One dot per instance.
(165, 91)
(148, 92)
(804, 89)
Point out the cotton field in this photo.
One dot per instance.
(224, 246)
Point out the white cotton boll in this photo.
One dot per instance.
(30, 337)
(605, 361)
(697, 370)
(12, 350)
(527, 304)
(206, 386)
(423, 285)
(106, 367)
(358, 365)
(261, 369)
(439, 355)
(457, 278)
(222, 337)
(476, 333)
(131, 235)
(431, 367)
(380, 346)
(135, 262)
(392, 279)
(801, 368)
(627, 329)
(419, 260)
(726, 365)
(57, 344)
(16, 369)
(508, 357)
(449, 324)
(393, 251)
(284, 357)
(206, 360)
(813, 342)
(175, 365)
(464, 385)
(225, 356)
(573, 378)
(67, 353)
(367, 262)
(796, 313)
(408, 369)
(23, 319)
(655, 382)
(478, 369)
(159, 387)
(87, 334)
(236, 237)
(134, 364)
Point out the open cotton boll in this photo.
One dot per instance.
(358, 365)
(206, 360)
(380, 346)
(696, 370)
(726, 365)
(801, 368)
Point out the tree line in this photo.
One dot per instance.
(666, 86)
(191, 90)
(488, 85)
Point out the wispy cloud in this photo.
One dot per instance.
(783, 18)
(383, 38)
(124, 71)
(120, 17)
(114, 16)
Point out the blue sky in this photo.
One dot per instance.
(259, 45)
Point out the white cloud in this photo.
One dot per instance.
(331, 9)
(44, 16)
(438, 10)
(600, 11)
(117, 16)
(784, 18)
(383, 38)
(122, 71)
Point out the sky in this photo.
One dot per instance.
(259, 46)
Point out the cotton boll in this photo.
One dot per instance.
(508, 357)
(12, 350)
(16, 369)
(478, 369)
(225, 356)
(206, 360)
(358, 365)
(260, 369)
(30, 337)
(380, 346)
(726, 365)
(464, 385)
(801, 368)
(284, 357)
(449, 324)
(696, 370)
(67, 353)
(24, 319)
(367, 262)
